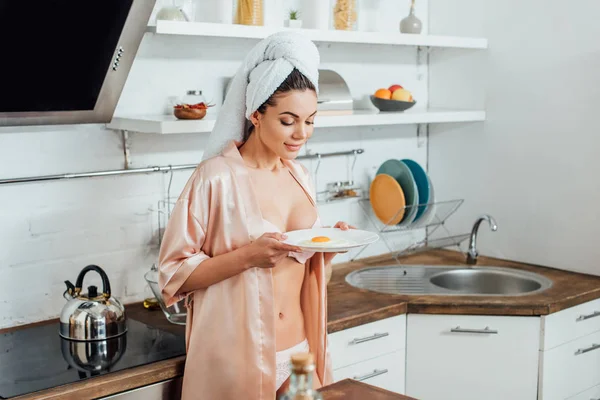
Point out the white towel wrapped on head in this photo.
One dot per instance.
(264, 69)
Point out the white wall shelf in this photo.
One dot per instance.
(204, 29)
(167, 124)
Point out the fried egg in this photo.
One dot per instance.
(324, 241)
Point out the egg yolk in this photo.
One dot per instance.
(321, 239)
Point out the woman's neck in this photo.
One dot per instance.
(257, 155)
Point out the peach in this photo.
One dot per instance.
(402, 95)
(393, 88)
(383, 94)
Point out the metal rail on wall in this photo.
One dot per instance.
(164, 169)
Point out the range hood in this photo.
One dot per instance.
(66, 61)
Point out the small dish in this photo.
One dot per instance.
(189, 113)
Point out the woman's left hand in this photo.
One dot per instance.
(343, 226)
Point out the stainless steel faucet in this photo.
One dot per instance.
(472, 253)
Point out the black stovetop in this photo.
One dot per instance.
(31, 359)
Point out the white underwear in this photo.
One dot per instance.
(282, 361)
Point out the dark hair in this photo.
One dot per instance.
(295, 81)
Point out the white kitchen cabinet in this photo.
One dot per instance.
(570, 353)
(386, 372)
(363, 342)
(571, 323)
(466, 357)
(374, 353)
(568, 369)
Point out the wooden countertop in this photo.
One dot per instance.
(349, 389)
(350, 307)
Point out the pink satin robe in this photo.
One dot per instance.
(230, 333)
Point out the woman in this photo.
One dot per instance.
(252, 300)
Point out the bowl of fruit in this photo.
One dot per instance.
(395, 98)
(190, 111)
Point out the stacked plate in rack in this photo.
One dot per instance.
(402, 194)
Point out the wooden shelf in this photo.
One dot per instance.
(204, 29)
(167, 124)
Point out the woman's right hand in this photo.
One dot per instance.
(268, 250)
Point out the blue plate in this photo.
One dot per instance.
(404, 177)
(422, 182)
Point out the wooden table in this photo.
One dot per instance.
(349, 389)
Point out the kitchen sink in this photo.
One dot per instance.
(486, 282)
(448, 280)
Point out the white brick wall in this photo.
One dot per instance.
(49, 231)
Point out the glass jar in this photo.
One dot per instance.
(170, 12)
(223, 11)
(344, 15)
(193, 97)
(249, 12)
(369, 15)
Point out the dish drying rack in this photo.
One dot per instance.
(432, 221)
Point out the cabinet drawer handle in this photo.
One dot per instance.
(588, 316)
(592, 347)
(368, 338)
(458, 329)
(373, 374)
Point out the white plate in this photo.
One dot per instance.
(340, 240)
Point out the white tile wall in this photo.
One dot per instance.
(50, 231)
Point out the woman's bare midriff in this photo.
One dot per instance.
(289, 320)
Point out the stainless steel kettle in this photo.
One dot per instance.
(93, 357)
(91, 316)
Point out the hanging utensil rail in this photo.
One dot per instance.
(133, 171)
